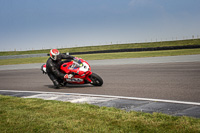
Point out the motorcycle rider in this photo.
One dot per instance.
(53, 67)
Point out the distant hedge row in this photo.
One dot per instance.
(139, 49)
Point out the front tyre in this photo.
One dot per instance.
(96, 79)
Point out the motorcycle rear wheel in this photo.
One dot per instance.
(96, 79)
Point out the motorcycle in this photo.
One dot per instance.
(81, 71)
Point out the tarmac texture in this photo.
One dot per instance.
(173, 78)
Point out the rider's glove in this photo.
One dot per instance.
(77, 60)
(68, 76)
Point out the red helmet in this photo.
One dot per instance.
(54, 53)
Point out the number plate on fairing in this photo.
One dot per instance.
(75, 80)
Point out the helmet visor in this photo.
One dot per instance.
(54, 57)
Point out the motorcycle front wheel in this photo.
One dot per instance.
(96, 79)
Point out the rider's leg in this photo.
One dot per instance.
(54, 80)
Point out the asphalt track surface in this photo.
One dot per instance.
(175, 80)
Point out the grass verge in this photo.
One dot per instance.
(36, 115)
(111, 47)
(106, 56)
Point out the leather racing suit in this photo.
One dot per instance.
(53, 69)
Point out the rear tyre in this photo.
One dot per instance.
(96, 79)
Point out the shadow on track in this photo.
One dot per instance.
(70, 86)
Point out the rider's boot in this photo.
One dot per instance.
(61, 82)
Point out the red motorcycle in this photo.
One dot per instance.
(81, 71)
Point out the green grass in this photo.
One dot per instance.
(23, 60)
(140, 54)
(108, 47)
(106, 56)
(35, 115)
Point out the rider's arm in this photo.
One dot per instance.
(63, 56)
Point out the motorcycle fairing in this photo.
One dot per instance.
(82, 72)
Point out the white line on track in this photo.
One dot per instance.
(109, 96)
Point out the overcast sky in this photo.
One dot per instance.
(37, 24)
